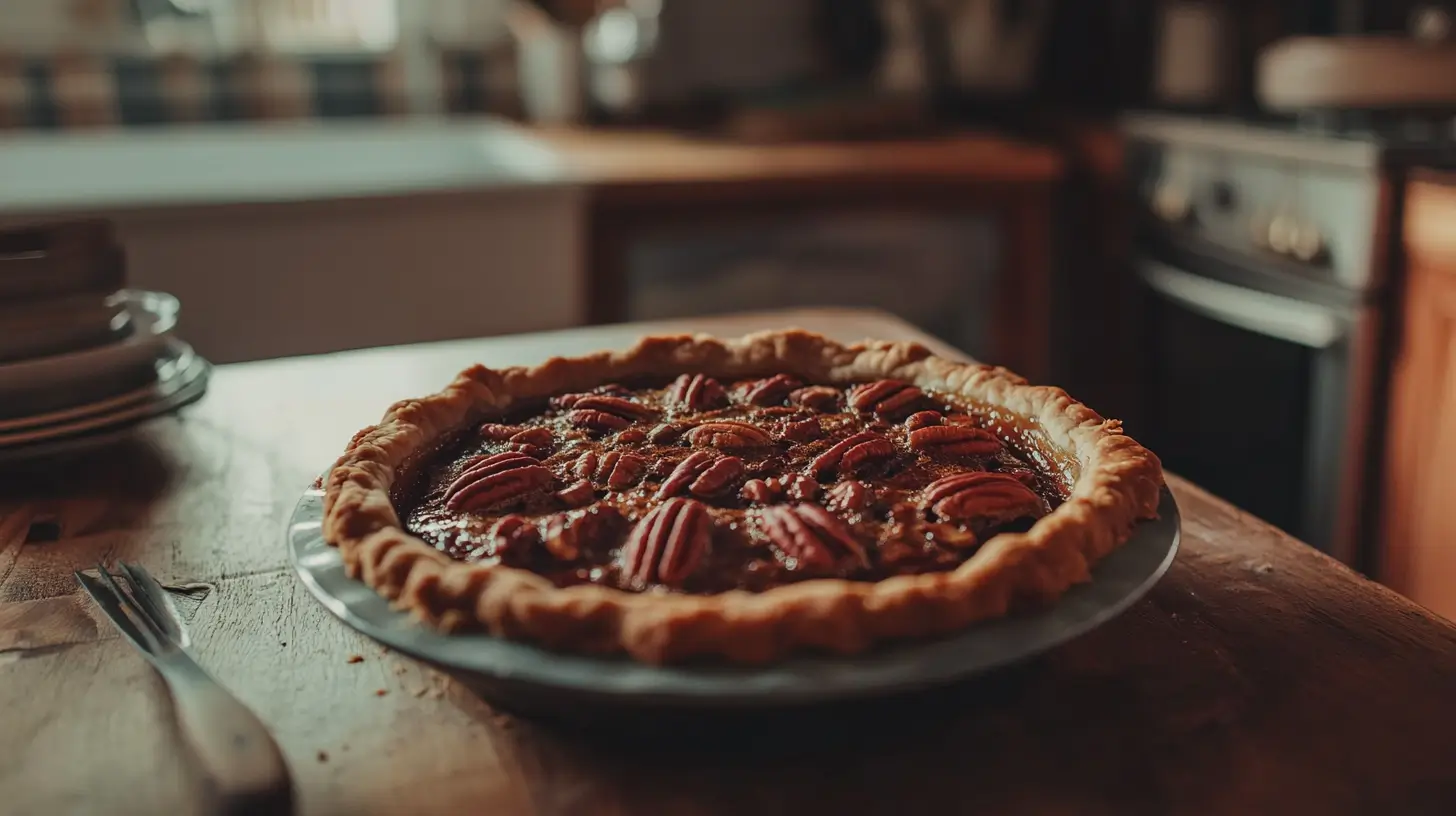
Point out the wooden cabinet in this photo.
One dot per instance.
(1420, 468)
(663, 204)
(725, 216)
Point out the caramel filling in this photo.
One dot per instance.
(704, 487)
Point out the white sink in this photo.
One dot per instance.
(222, 164)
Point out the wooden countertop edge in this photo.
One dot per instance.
(1284, 551)
(624, 160)
(1434, 175)
(653, 166)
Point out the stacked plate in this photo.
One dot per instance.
(79, 369)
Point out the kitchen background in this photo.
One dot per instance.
(1228, 222)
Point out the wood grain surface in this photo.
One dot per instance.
(633, 158)
(1418, 556)
(1258, 677)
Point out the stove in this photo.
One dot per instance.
(1264, 253)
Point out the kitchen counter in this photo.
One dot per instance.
(302, 226)
(310, 161)
(1258, 677)
(306, 161)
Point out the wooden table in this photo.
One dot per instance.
(1258, 677)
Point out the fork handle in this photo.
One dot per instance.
(240, 758)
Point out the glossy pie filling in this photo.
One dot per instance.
(701, 487)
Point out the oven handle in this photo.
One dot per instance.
(1276, 316)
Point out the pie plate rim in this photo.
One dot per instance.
(1118, 581)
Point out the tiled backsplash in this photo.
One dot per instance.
(108, 63)
(94, 63)
(79, 90)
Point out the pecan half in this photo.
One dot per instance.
(795, 486)
(496, 432)
(800, 487)
(617, 406)
(666, 433)
(718, 477)
(578, 495)
(865, 453)
(814, 538)
(922, 419)
(667, 544)
(772, 391)
(727, 435)
(534, 442)
(685, 473)
(757, 491)
(631, 436)
(565, 401)
(607, 413)
(849, 496)
(512, 534)
(851, 453)
(982, 496)
(626, 471)
(616, 470)
(534, 436)
(804, 430)
(491, 480)
(955, 440)
(567, 534)
(697, 392)
(827, 463)
(887, 398)
(821, 398)
(599, 421)
(586, 465)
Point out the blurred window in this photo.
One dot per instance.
(302, 26)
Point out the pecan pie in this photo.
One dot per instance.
(741, 499)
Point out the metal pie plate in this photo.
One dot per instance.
(511, 672)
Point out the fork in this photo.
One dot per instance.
(232, 746)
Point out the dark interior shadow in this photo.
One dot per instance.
(664, 731)
(131, 468)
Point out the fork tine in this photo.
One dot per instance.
(135, 609)
(153, 599)
(111, 605)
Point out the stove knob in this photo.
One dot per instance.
(1308, 243)
(1172, 203)
(1283, 232)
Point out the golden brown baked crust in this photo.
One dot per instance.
(1118, 484)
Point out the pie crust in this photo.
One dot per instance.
(1115, 482)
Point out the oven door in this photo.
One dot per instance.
(1249, 394)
